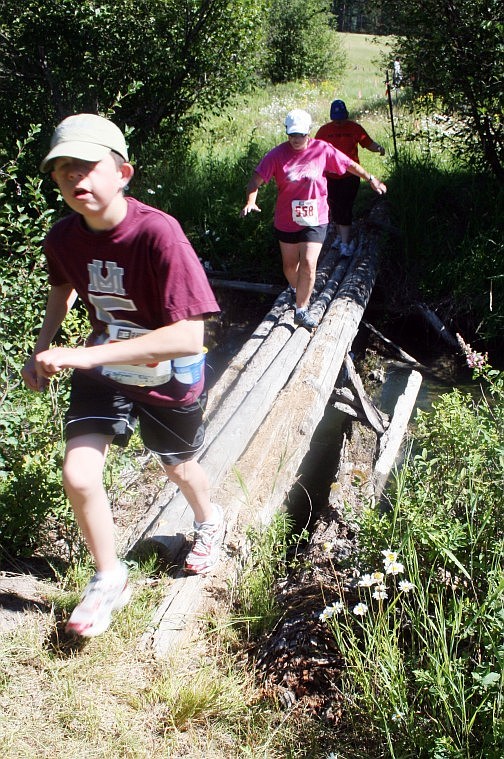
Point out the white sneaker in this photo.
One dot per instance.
(205, 551)
(101, 596)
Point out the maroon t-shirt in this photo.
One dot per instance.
(143, 272)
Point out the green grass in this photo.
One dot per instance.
(259, 115)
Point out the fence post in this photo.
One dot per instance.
(391, 109)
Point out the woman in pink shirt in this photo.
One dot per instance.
(298, 167)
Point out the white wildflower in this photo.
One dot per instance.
(150, 191)
(360, 610)
(378, 576)
(330, 611)
(406, 586)
(397, 716)
(390, 556)
(394, 568)
(380, 595)
(366, 581)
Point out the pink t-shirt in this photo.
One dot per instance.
(144, 272)
(300, 177)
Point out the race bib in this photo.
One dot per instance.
(143, 375)
(305, 212)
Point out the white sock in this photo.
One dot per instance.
(112, 574)
(214, 519)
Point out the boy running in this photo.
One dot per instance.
(147, 296)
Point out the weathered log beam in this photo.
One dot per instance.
(239, 379)
(437, 325)
(393, 346)
(249, 287)
(375, 417)
(268, 467)
(391, 441)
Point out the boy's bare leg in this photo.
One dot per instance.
(192, 480)
(83, 481)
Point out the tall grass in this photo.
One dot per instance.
(422, 630)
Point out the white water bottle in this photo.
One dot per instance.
(189, 369)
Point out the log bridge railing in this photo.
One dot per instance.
(261, 416)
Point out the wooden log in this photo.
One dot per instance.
(437, 325)
(391, 441)
(242, 375)
(375, 417)
(269, 466)
(270, 445)
(249, 287)
(391, 345)
(264, 472)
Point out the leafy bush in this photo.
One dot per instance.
(300, 42)
(30, 424)
(206, 199)
(423, 643)
(451, 226)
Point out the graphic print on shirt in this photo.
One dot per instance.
(298, 172)
(109, 285)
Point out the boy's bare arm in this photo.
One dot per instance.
(59, 302)
(182, 338)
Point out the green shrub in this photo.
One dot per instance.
(422, 635)
(300, 42)
(30, 423)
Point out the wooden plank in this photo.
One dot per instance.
(375, 417)
(391, 441)
(270, 464)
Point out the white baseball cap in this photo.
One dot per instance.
(298, 122)
(85, 136)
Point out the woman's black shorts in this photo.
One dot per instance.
(305, 234)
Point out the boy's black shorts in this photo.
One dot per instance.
(175, 434)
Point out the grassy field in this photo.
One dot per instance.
(260, 115)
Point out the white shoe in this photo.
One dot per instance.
(205, 551)
(102, 595)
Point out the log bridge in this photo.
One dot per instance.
(261, 416)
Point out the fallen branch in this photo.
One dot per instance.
(393, 437)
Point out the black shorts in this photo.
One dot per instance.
(341, 194)
(305, 234)
(174, 434)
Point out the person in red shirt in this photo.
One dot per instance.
(345, 135)
(147, 297)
